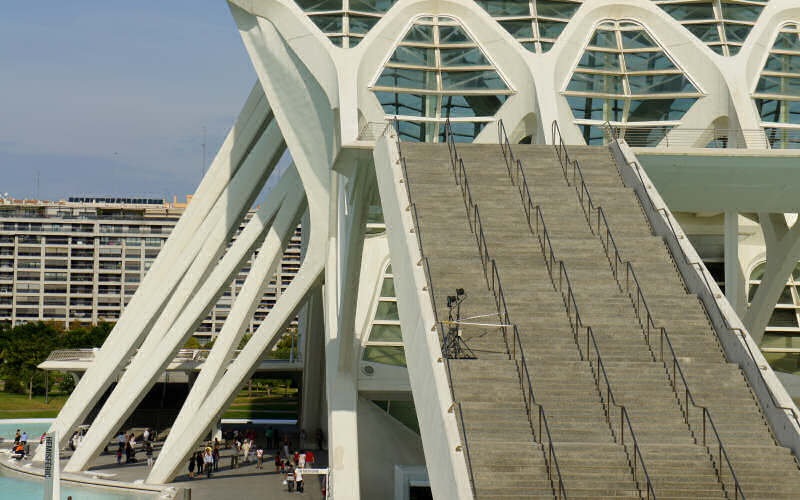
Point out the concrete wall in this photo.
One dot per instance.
(383, 442)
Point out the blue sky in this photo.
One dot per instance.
(110, 97)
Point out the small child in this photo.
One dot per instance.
(119, 455)
(260, 457)
(148, 451)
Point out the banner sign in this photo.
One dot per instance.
(52, 473)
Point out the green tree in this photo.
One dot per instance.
(22, 348)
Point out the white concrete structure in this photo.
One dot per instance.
(330, 73)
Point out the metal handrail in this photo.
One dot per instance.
(514, 349)
(576, 323)
(429, 285)
(701, 270)
(646, 322)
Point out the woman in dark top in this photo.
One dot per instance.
(198, 458)
(191, 466)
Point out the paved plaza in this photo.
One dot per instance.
(244, 482)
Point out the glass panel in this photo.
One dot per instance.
(406, 413)
(787, 41)
(468, 106)
(645, 137)
(387, 288)
(783, 361)
(647, 61)
(319, 5)
(740, 12)
(463, 57)
(452, 34)
(796, 272)
(385, 333)
(658, 109)
(786, 296)
(636, 40)
(407, 104)
(387, 355)
(779, 85)
(550, 29)
(591, 134)
(499, 8)
(387, 311)
(588, 108)
(737, 32)
(378, 6)
(687, 12)
(419, 34)
(328, 24)
(472, 80)
(518, 29)
(705, 32)
(407, 78)
(783, 317)
(550, 8)
(781, 340)
(758, 272)
(604, 38)
(607, 84)
(660, 84)
(599, 60)
(362, 24)
(415, 56)
(462, 131)
(781, 138)
(769, 110)
(546, 46)
(783, 63)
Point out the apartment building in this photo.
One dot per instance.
(82, 259)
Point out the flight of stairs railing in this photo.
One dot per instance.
(560, 278)
(537, 417)
(703, 423)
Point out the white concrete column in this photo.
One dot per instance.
(182, 245)
(733, 282)
(311, 327)
(783, 252)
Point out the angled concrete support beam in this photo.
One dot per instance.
(159, 348)
(181, 247)
(783, 252)
(241, 313)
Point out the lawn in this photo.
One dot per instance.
(19, 406)
(260, 405)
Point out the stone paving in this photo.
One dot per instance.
(244, 482)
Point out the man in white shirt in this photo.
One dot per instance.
(146, 435)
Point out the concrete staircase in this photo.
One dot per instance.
(506, 461)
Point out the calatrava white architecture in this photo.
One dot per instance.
(333, 76)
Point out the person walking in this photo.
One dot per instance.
(235, 455)
(260, 458)
(191, 466)
(215, 456)
(121, 441)
(208, 460)
(286, 445)
(246, 450)
(146, 435)
(198, 458)
(290, 477)
(148, 451)
(23, 439)
(269, 434)
(298, 479)
(277, 461)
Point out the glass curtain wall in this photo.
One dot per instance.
(777, 93)
(781, 342)
(437, 71)
(385, 342)
(345, 22)
(723, 25)
(624, 77)
(535, 23)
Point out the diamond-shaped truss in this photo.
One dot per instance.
(345, 22)
(625, 77)
(437, 71)
(723, 25)
(535, 23)
(777, 94)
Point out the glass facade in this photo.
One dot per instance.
(781, 342)
(345, 22)
(385, 342)
(723, 25)
(436, 72)
(535, 23)
(625, 77)
(777, 93)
